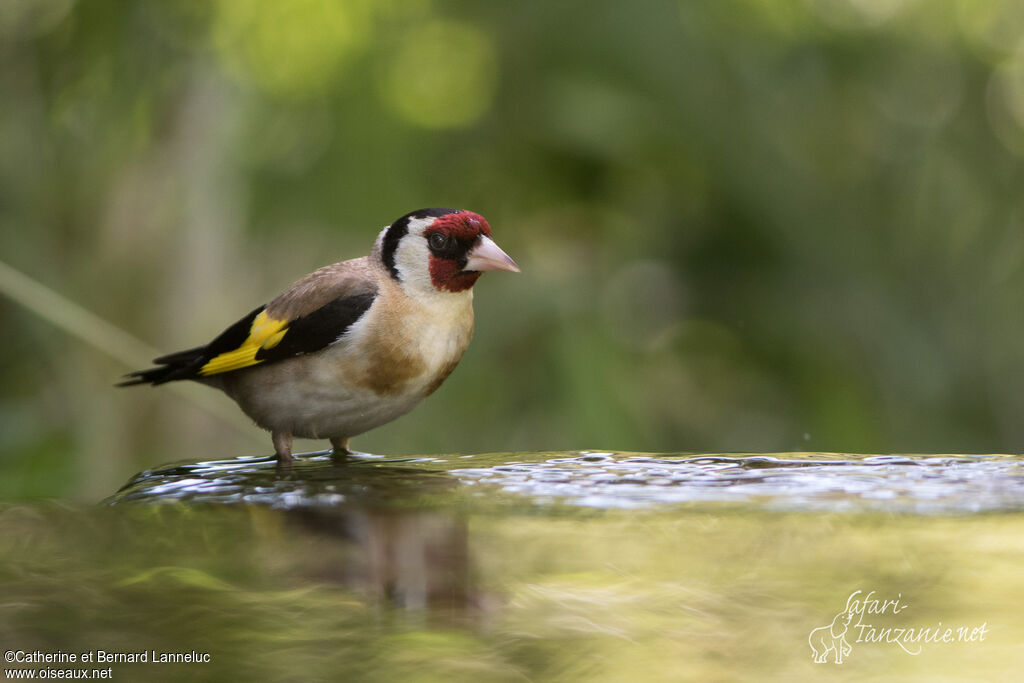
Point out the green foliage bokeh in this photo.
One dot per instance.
(750, 225)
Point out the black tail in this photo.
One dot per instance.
(174, 366)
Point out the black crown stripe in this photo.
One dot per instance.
(399, 229)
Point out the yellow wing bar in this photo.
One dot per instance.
(265, 333)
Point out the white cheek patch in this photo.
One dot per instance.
(412, 258)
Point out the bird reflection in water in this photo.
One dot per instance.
(411, 558)
(381, 530)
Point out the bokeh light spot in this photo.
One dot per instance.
(33, 18)
(1005, 102)
(443, 75)
(291, 49)
(993, 27)
(852, 14)
(922, 88)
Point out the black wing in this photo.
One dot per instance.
(259, 338)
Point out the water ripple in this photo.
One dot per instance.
(934, 484)
(896, 483)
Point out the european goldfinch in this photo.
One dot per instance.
(355, 344)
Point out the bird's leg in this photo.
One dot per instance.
(282, 446)
(340, 445)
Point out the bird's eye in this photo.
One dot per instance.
(438, 241)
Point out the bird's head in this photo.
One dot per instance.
(440, 250)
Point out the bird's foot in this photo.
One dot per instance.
(283, 447)
(340, 447)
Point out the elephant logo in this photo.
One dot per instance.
(831, 638)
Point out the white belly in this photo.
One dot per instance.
(317, 407)
(376, 373)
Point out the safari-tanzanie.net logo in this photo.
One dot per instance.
(869, 619)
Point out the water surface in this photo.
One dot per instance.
(933, 484)
(541, 566)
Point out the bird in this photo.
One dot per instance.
(355, 344)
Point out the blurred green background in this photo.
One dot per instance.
(754, 225)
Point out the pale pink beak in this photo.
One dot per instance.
(488, 256)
